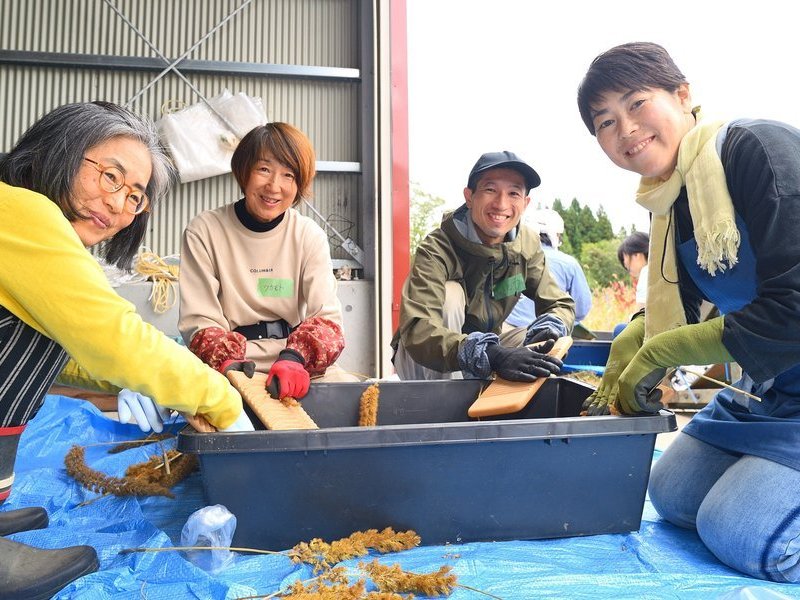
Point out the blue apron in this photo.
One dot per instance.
(771, 428)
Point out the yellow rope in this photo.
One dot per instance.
(164, 277)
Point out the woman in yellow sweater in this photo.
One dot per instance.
(83, 174)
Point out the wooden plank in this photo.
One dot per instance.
(502, 397)
(273, 413)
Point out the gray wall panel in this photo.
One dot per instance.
(334, 108)
(301, 32)
(308, 32)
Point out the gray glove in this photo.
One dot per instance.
(544, 327)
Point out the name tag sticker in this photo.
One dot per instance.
(509, 287)
(275, 288)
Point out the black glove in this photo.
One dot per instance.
(521, 364)
(534, 336)
(248, 367)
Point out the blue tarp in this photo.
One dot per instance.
(659, 561)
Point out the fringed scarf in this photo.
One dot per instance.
(700, 169)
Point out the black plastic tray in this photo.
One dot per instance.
(539, 473)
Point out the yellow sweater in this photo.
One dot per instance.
(52, 283)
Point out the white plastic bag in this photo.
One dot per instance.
(201, 144)
(211, 526)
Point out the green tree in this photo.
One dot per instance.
(603, 229)
(600, 263)
(425, 214)
(581, 226)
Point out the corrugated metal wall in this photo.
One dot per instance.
(320, 33)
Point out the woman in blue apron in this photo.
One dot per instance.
(724, 199)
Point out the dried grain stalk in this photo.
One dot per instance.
(395, 579)
(319, 590)
(323, 555)
(150, 439)
(368, 409)
(143, 479)
(289, 402)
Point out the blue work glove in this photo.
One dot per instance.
(523, 364)
(698, 344)
(242, 423)
(147, 414)
(543, 328)
(623, 349)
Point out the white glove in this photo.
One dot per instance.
(242, 423)
(147, 414)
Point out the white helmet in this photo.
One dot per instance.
(550, 222)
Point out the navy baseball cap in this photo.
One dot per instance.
(503, 160)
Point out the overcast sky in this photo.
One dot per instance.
(488, 75)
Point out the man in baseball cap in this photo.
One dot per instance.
(504, 159)
(466, 278)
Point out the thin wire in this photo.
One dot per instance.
(664, 249)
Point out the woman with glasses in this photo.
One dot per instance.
(83, 174)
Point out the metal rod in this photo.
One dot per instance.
(153, 63)
(324, 220)
(171, 66)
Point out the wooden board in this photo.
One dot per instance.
(272, 413)
(199, 423)
(104, 401)
(108, 403)
(502, 397)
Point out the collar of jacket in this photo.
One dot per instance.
(456, 225)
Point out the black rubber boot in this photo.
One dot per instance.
(23, 519)
(32, 574)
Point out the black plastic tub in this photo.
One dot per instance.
(541, 473)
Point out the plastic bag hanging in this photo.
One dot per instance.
(201, 141)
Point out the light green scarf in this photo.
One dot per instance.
(700, 169)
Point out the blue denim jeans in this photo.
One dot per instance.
(745, 509)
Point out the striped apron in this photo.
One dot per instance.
(29, 363)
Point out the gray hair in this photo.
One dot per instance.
(48, 156)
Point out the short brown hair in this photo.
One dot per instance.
(633, 66)
(289, 146)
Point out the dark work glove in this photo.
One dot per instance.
(534, 336)
(248, 367)
(288, 376)
(544, 327)
(521, 364)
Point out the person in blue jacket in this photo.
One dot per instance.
(565, 269)
(725, 203)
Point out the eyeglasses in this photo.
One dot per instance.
(112, 180)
